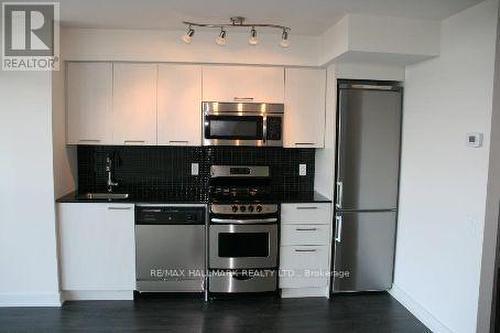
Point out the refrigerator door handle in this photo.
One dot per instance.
(338, 228)
(340, 191)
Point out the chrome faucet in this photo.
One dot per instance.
(110, 182)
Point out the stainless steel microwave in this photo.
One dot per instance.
(242, 124)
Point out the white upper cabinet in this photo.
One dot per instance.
(304, 121)
(243, 84)
(179, 105)
(134, 104)
(89, 103)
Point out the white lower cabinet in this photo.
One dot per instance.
(306, 264)
(305, 250)
(96, 250)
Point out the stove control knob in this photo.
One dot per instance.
(250, 209)
(243, 209)
(234, 208)
(258, 208)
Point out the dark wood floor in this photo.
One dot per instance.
(346, 313)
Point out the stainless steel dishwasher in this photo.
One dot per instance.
(170, 248)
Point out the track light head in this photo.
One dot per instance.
(187, 37)
(221, 39)
(253, 40)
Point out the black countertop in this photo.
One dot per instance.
(178, 198)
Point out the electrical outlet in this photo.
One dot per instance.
(302, 169)
(195, 169)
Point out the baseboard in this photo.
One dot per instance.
(97, 295)
(30, 300)
(304, 292)
(418, 311)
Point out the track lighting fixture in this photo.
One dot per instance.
(236, 22)
(284, 39)
(253, 40)
(188, 35)
(221, 39)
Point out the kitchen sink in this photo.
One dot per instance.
(106, 196)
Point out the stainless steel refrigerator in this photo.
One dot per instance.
(367, 177)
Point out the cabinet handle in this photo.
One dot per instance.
(89, 140)
(151, 210)
(338, 228)
(306, 229)
(133, 141)
(119, 208)
(307, 207)
(340, 194)
(243, 99)
(304, 143)
(303, 251)
(178, 141)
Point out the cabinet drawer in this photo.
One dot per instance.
(306, 213)
(304, 266)
(305, 234)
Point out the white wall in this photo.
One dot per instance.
(159, 46)
(386, 34)
(443, 183)
(325, 158)
(28, 261)
(369, 71)
(384, 39)
(65, 168)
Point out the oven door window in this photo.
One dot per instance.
(244, 244)
(234, 127)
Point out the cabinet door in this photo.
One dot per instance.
(97, 248)
(304, 266)
(179, 105)
(243, 84)
(134, 104)
(89, 89)
(304, 121)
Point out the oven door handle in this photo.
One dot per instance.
(244, 221)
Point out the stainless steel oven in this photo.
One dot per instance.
(242, 124)
(238, 246)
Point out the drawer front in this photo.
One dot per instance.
(230, 282)
(305, 234)
(306, 213)
(304, 266)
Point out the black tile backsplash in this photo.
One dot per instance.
(149, 172)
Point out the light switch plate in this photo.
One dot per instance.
(302, 169)
(195, 169)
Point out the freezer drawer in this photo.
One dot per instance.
(364, 251)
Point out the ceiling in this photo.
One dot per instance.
(307, 17)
